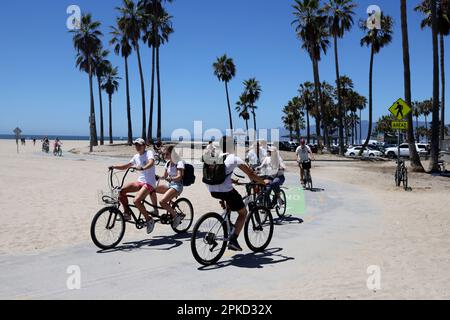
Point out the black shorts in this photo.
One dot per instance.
(233, 199)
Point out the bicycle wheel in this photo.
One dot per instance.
(209, 239)
(398, 177)
(184, 208)
(281, 210)
(309, 183)
(258, 229)
(108, 228)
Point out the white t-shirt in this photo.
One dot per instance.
(303, 153)
(147, 176)
(272, 169)
(172, 169)
(231, 163)
(252, 158)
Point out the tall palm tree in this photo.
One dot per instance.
(340, 19)
(252, 93)
(288, 121)
(426, 108)
(416, 114)
(297, 108)
(86, 40)
(376, 40)
(101, 64)
(345, 88)
(414, 155)
(225, 71)
(443, 22)
(312, 31)
(122, 47)
(111, 85)
(306, 93)
(243, 109)
(156, 28)
(130, 22)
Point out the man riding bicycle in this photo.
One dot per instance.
(273, 168)
(225, 191)
(304, 156)
(143, 161)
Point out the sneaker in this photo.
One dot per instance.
(280, 202)
(233, 244)
(177, 221)
(127, 216)
(150, 226)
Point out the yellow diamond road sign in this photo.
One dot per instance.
(400, 109)
(400, 125)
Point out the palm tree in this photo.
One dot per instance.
(345, 88)
(384, 125)
(443, 25)
(312, 31)
(101, 64)
(86, 40)
(130, 22)
(157, 28)
(414, 155)
(376, 40)
(340, 19)
(225, 71)
(306, 93)
(122, 47)
(416, 113)
(252, 93)
(242, 109)
(425, 109)
(289, 121)
(111, 85)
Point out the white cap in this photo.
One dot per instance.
(139, 141)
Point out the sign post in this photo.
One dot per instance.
(17, 132)
(400, 110)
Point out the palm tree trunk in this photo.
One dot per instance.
(369, 133)
(340, 110)
(426, 128)
(229, 106)
(141, 75)
(435, 125)
(92, 124)
(152, 98)
(443, 87)
(158, 78)
(360, 124)
(417, 128)
(319, 98)
(110, 120)
(247, 137)
(415, 159)
(308, 127)
(130, 125)
(102, 127)
(256, 133)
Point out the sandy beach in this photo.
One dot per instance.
(48, 203)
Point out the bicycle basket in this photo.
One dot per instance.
(110, 198)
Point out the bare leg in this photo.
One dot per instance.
(129, 188)
(240, 222)
(138, 202)
(168, 196)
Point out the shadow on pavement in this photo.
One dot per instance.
(159, 241)
(287, 220)
(252, 260)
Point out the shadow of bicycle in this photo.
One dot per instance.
(252, 260)
(166, 242)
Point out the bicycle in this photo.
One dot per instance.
(401, 175)
(212, 232)
(46, 147)
(264, 198)
(108, 226)
(306, 165)
(159, 158)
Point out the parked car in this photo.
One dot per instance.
(314, 148)
(286, 146)
(354, 151)
(392, 152)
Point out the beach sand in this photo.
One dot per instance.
(47, 204)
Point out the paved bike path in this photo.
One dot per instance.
(163, 267)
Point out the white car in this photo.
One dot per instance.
(354, 151)
(392, 153)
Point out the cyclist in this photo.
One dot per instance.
(304, 154)
(273, 168)
(225, 191)
(252, 157)
(143, 161)
(57, 145)
(173, 174)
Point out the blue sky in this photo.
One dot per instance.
(43, 93)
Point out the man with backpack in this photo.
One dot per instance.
(217, 175)
(178, 175)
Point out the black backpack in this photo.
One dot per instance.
(189, 175)
(214, 170)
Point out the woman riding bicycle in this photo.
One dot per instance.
(144, 161)
(173, 174)
(273, 168)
